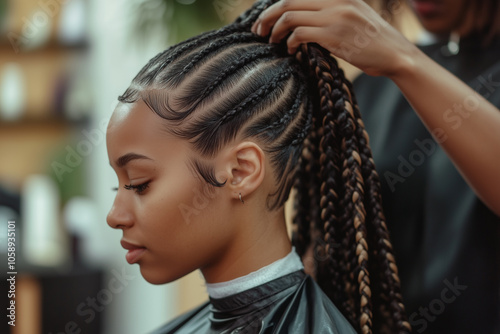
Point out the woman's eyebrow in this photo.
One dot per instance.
(126, 158)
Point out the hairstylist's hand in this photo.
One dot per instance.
(349, 29)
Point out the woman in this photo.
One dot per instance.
(434, 123)
(207, 143)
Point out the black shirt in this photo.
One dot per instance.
(293, 303)
(446, 241)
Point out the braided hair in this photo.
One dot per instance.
(302, 111)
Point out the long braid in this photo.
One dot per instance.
(354, 197)
(307, 209)
(380, 233)
(329, 173)
(353, 216)
(301, 236)
(361, 188)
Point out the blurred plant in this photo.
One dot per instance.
(180, 19)
(3, 12)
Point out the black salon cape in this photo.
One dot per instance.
(446, 241)
(293, 303)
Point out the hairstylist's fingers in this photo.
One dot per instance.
(289, 21)
(268, 17)
(303, 35)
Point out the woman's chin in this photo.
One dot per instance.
(157, 278)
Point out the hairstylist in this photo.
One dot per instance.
(434, 123)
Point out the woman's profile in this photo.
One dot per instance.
(207, 143)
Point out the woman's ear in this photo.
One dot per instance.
(246, 168)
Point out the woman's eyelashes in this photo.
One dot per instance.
(138, 188)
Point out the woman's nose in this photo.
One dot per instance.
(120, 215)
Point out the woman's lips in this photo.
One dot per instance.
(134, 251)
(133, 255)
(426, 8)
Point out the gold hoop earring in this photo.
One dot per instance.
(241, 199)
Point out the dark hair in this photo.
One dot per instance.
(302, 111)
(487, 19)
(486, 15)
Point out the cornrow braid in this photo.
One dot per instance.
(158, 63)
(272, 122)
(230, 84)
(246, 59)
(208, 140)
(199, 57)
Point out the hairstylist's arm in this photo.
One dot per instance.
(353, 31)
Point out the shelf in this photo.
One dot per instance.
(50, 46)
(44, 122)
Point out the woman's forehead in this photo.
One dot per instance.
(133, 115)
(133, 126)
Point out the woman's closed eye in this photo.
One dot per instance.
(138, 188)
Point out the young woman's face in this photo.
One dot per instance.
(440, 16)
(172, 222)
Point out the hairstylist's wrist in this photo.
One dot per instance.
(406, 64)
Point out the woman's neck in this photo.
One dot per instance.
(262, 239)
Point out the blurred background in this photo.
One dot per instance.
(63, 64)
